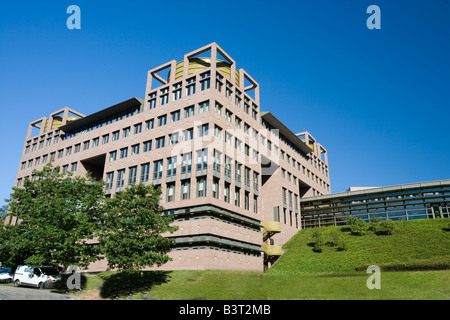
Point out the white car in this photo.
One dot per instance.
(36, 276)
(6, 277)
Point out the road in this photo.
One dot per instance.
(22, 293)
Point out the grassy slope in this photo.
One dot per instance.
(412, 240)
(303, 274)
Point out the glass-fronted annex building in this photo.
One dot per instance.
(425, 200)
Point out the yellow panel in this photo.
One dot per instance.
(57, 121)
(272, 226)
(198, 64)
(272, 250)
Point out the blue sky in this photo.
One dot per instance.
(378, 100)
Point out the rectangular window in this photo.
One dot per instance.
(255, 180)
(149, 124)
(44, 158)
(172, 166)
(120, 178)
(238, 98)
(115, 136)
(237, 175)
(170, 192)
(185, 189)
(246, 201)
(126, 132)
(188, 134)
(123, 153)
(217, 160)
(238, 122)
(203, 130)
(190, 86)
(226, 192)
(105, 139)
(147, 145)
(216, 188)
(86, 145)
(157, 169)
(228, 115)
(229, 91)
(203, 107)
(176, 91)
(189, 111)
(217, 132)
(61, 153)
(145, 171)
(162, 120)
(205, 81)
(218, 108)
(247, 176)
(109, 180)
(186, 163)
(164, 96)
(201, 187)
(219, 82)
(135, 149)
(68, 151)
(202, 159)
(173, 138)
(112, 155)
(228, 162)
(237, 197)
(255, 204)
(137, 128)
(95, 142)
(160, 142)
(152, 100)
(74, 167)
(175, 116)
(132, 175)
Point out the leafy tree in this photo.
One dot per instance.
(386, 227)
(359, 227)
(3, 212)
(131, 236)
(58, 214)
(318, 240)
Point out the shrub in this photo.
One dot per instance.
(373, 224)
(359, 227)
(386, 227)
(318, 240)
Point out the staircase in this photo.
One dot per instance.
(271, 252)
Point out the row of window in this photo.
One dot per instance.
(292, 178)
(242, 173)
(241, 199)
(65, 168)
(204, 84)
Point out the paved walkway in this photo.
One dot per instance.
(23, 293)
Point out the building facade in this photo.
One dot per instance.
(231, 175)
(425, 200)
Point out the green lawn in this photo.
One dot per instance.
(302, 273)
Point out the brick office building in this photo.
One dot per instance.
(231, 175)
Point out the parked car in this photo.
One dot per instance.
(5, 274)
(36, 276)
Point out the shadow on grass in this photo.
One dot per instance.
(126, 283)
